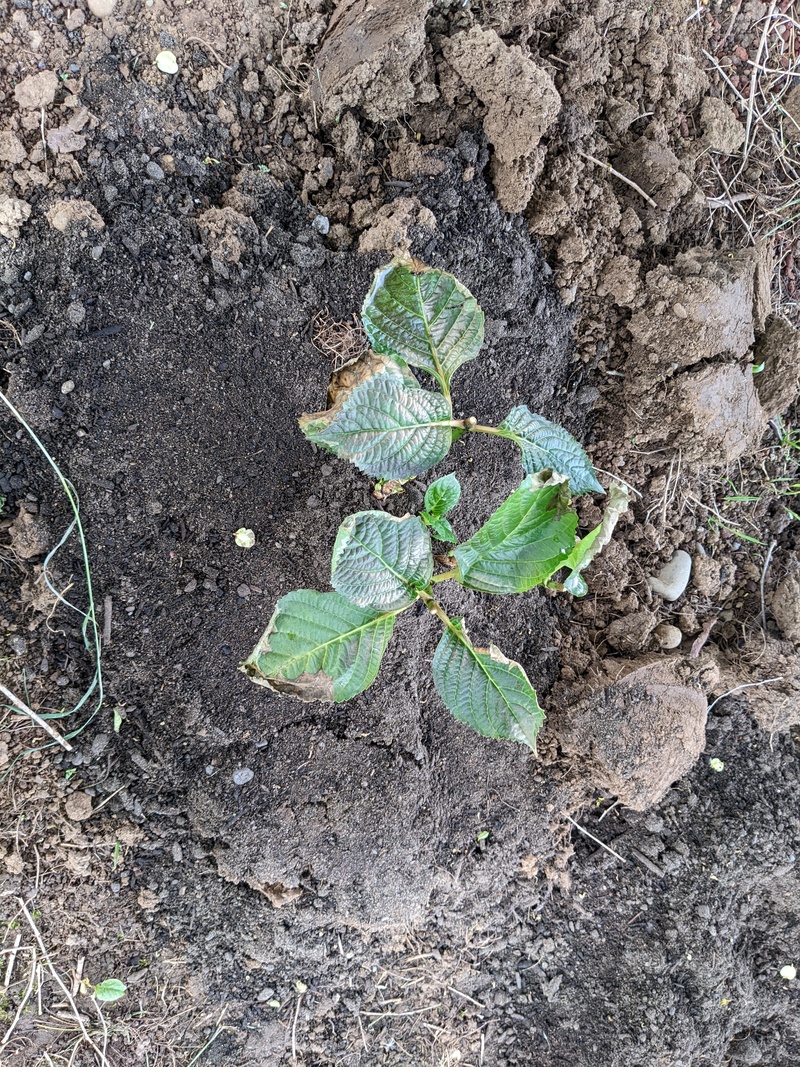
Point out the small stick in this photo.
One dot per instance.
(294, 1028)
(87, 1036)
(753, 82)
(25, 998)
(8, 326)
(210, 48)
(361, 1028)
(477, 1003)
(702, 637)
(770, 550)
(12, 957)
(614, 805)
(44, 146)
(739, 688)
(595, 839)
(45, 725)
(648, 863)
(730, 201)
(622, 178)
(108, 604)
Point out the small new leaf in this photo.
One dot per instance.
(424, 317)
(546, 446)
(442, 529)
(320, 646)
(524, 542)
(484, 689)
(442, 496)
(379, 561)
(595, 541)
(386, 428)
(109, 990)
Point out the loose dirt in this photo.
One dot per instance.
(181, 258)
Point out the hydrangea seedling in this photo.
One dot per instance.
(328, 646)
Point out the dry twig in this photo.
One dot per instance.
(45, 725)
(596, 840)
(628, 181)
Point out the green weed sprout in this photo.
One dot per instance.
(328, 646)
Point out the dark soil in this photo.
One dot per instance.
(383, 886)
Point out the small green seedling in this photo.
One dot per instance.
(107, 991)
(328, 646)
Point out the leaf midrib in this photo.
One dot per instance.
(473, 652)
(507, 534)
(439, 372)
(405, 582)
(336, 640)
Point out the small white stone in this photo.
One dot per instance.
(672, 579)
(67, 387)
(789, 973)
(244, 538)
(166, 62)
(667, 635)
(102, 8)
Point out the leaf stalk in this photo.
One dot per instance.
(436, 609)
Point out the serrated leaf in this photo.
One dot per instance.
(546, 446)
(320, 646)
(423, 316)
(589, 546)
(385, 428)
(524, 542)
(380, 561)
(484, 689)
(443, 530)
(109, 990)
(442, 496)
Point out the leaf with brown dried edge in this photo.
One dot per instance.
(594, 542)
(342, 384)
(320, 646)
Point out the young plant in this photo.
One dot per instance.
(109, 990)
(328, 646)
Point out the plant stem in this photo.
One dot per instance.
(437, 610)
(477, 428)
(445, 576)
(474, 426)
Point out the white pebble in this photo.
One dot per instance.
(672, 579)
(166, 62)
(667, 635)
(67, 387)
(244, 538)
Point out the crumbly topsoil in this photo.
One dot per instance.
(371, 883)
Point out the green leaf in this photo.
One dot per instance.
(443, 530)
(109, 990)
(484, 689)
(424, 317)
(387, 429)
(589, 546)
(442, 496)
(379, 561)
(343, 381)
(547, 446)
(524, 542)
(319, 646)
